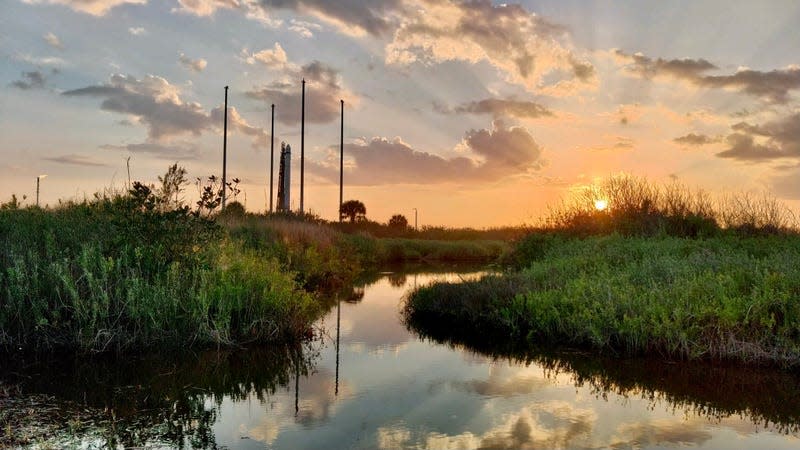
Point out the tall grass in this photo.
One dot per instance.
(637, 206)
(109, 274)
(728, 298)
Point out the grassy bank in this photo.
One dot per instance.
(317, 250)
(138, 269)
(662, 271)
(112, 273)
(731, 298)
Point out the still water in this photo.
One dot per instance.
(369, 382)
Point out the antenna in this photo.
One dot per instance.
(271, 155)
(225, 149)
(302, 144)
(341, 161)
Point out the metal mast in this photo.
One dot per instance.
(225, 150)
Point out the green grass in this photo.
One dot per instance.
(729, 297)
(108, 274)
(128, 271)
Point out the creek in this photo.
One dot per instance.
(368, 381)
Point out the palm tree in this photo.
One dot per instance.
(353, 209)
(398, 221)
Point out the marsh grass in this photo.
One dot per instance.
(108, 274)
(638, 207)
(723, 298)
(664, 270)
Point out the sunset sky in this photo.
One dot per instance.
(476, 113)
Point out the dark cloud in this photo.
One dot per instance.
(153, 100)
(76, 160)
(686, 68)
(323, 92)
(495, 154)
(777, 139)
(156, 104)
(30, 80)
(583, 71)
(695, 140)
(773, 86)
(374, 17)
(371, 17)
(502, 108)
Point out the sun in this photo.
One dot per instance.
(600, 204)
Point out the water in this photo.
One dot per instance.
(384, 386)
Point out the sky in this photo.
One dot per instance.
(474, 113)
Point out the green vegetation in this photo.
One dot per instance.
(134, 270)
(652, 287)
(116, 273)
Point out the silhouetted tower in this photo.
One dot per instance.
(271, 155)
(341, 161)
(225, 150)
(285, 178)
(302, 144)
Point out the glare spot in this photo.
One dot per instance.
(600, 204)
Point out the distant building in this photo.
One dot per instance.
(285, 178)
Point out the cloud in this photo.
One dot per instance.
(304, 29)
(152, 100)
(612, 143)
(353, 17)
(519, 43)
(695, 140)
(41, 61)
(53, 41)
(93, 7)
(196, 65)
(273, 58)
(494, 154)
(646, 67)
(156, 103)
(181, 150)
(137, 31)
(550, 424)
(237, 123)
(503, 108)
(30, 80)
(772, 140)
(660, 432)
(323, 92)
(773, 86)
(76, 160)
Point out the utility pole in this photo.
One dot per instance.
(225, 150)
(302, 145)
(341, 161)
(415, 220)
(271, 155)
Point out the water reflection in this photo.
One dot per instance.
(770, 398)
(370, 382)
(133, 402)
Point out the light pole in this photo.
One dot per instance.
(225, 149)
(37, 188)
(415, 220)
